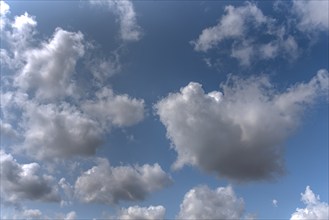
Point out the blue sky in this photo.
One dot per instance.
(164, 109)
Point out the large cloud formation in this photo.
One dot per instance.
(25, 182)
(42, 97)
(147, 213)
(106, 184)
(315, 209)
(237, 133)
(204, 203)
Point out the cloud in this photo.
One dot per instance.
(111, 109)
(245, 29)
(129, 29)
(59, 131)
(204, 203)
(4, 10)
(109, 185)
(24, 182)
(275, 202)
(231, 25)
(136, 212)
(32, 214)
(311, 15)
(315, 209)
(70, 216)
(48, 70)
(237, 133)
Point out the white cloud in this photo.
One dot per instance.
(111, 109)
(106, 184)
(231, 25)
(58, 131)
(48, 70)
(275, 202)
(245, 26)
(204, 203)
(71, 216)
(4, 10)
(312, 15)
(32, 213)
(25, 182)
(315, 209)
(147, 213)
(237, 133)
(124, 9)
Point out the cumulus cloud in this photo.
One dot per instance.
(111, 109)
(48, 70)
(71, 216)
(311, 15)
(106, 184)
(32, 213)
(237, 133)
(315, 209)
(25, 182)
(147, 213)
(204, 203)
(275, 202)
(129, 29)
(59, 131)
(244, 28)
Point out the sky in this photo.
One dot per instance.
(164, 109)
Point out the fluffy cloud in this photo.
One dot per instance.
(247, 27)
(111, 109)
(24, 182)
(147, 213)
(204, 203)
(231, 25)
(106, 184)
(237, 133)
(48, 70)
(32, 213)
(312, 15)
(129, 29)
(70, 216)
(315, 209)
(59, 131)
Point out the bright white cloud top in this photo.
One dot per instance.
(315, 209)
(159, 109)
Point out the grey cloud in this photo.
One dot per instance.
(111, 109)
(204, 203)
(238, 133)
(109, 185)
(59, 131)
(24, 182)
(48, 70)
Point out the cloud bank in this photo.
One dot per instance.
(237, 133)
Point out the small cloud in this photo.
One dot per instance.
(275, 202)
